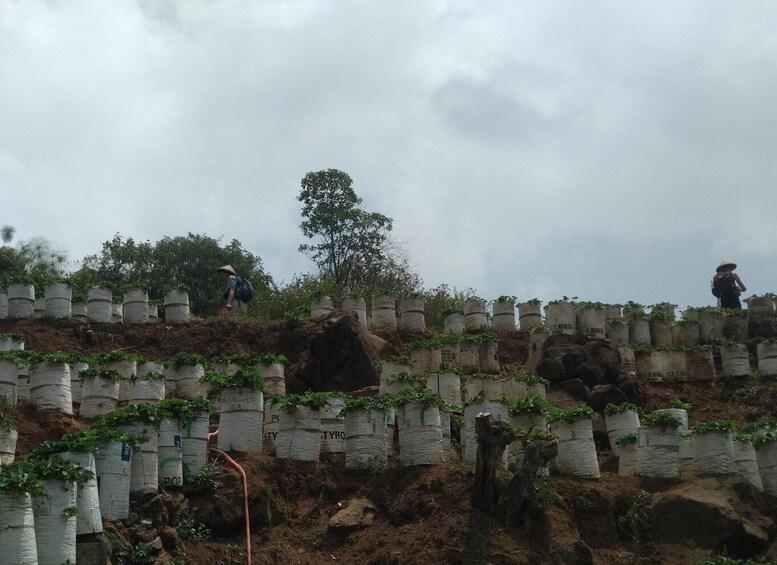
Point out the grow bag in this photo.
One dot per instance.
(365, 439)
(420, 435)
(240, 424)
(299, 434)
(576, 449)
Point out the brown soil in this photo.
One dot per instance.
(424, 514)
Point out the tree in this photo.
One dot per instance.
(191, 260)
(6, 234)
(354, 247)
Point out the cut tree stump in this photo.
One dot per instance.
(493, 437)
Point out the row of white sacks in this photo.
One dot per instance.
(20, 302)
(671, 452)
(58, 386)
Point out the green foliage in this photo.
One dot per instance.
(626, 439)
(242, 359)
(680, 405)
(378, 403)
(569, 416)
(510, 299)
(531, 404)
(443, 300)
(202, 483)
(181, 359)
(706, 427)
(661, 420)
(530, 378)
(187, 525)
(6, 423)
(190, 260)
(150, 376)
(535, 301)
(58, 469)
(79, 441)
(182, 410)
(141, 554)
(633, 524)
(242, 378)
(314, 400)
(20, 476)
(396, 359)
(422, 396)
(92, 373)
(131, 414)
(619, 408)
(405, 377)
(270, 358)
(70, 512)
(352, 247)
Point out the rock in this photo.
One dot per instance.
(565, 357)
(223, 513)
(714, 513)
(170, 539)
(340, 356)
(602, 395)
(156, 545)
(575, 388)
(92, 552)
(358, 513)
(144, 533)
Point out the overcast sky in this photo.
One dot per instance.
(612, 151)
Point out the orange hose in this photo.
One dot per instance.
(237, 466)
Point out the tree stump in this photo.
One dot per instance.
(537, 454)
(493, 437)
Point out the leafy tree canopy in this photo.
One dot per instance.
(351, 246)
(189, 260)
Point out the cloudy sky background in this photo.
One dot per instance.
(607, 150)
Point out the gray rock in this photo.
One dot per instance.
(357, 514)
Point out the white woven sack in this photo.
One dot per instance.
(144, 472)
(270, 422)
(735, 360)
(388, 369)
(420, 435)
(514, 453)
(75, 380)
(17, 530)
(99, 305)
(8, 439)
(447, 385)
(299, 434)
(445, 430)
(99, 395)
(89, 519)
(274, 379)
(55, 533)
(113, 462)
(497, 410)
(391, 428)
(240, 424)
(50, 387)
(188, 384)
(766, 455)
(713, 453)
(514, 389)
(620, 424)
(176, 307)
(746, 463)
(145, 391)
(127, 369)
(576, 449)
(537, 388)
(9, 381)
(58, 300)
(170, 454)
(135, 308)
(333, 426)
(627, 460)
(195, 442)
(365, 439)
(657, 452)
(685, 456)
(767, 359)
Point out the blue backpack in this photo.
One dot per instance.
(244, 291)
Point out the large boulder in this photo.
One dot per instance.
(716, 513)
(565, 357)
(339, 357)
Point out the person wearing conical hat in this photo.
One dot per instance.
(232, 305)
(727, 286)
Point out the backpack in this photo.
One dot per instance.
(244, 291)
(724, 285)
